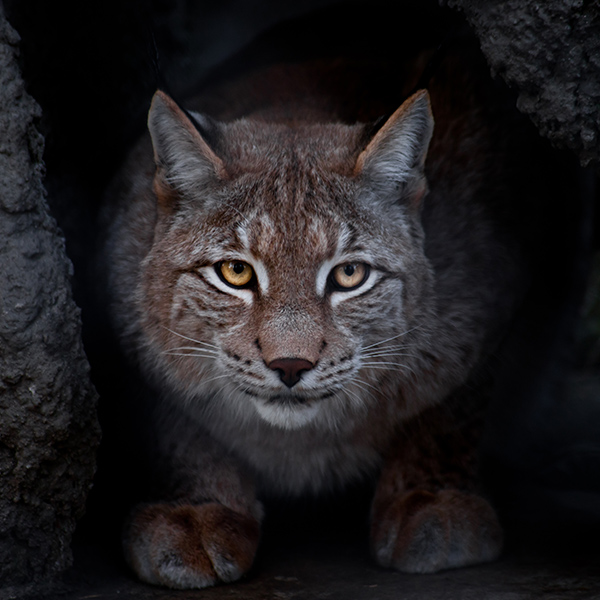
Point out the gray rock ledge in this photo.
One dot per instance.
(48, 425)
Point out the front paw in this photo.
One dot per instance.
(190, 546)
(424, 532)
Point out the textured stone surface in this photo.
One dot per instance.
(550, 53)
(48, 427)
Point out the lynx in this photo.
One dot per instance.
(316, 296)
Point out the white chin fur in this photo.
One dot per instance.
(286, 416)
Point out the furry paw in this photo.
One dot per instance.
(190, 546)
(423, 532)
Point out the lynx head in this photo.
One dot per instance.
(287, 278)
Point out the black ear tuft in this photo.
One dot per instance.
(207, 127)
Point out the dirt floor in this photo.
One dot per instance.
(552, 553)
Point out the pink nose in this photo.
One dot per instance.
(290, 369)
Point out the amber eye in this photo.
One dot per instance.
(349, 276)
(235, 272)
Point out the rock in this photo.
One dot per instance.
(48, 426)
(550, 53)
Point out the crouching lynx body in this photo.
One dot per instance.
(312, 296)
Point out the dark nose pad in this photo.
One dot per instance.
(290, 369)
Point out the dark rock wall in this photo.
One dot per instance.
(48, 425)
(550, 52)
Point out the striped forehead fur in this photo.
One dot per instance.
(252, 145)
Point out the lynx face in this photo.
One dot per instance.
(286, 275)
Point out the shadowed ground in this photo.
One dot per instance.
(552, 553)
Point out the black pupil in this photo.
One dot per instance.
(239, 268)
(349, 270)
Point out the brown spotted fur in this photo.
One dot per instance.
(293, 160)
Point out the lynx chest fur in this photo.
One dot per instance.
(306, 291)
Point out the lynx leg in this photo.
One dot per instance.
(424, 532)
(427, 514)
(190, 546)
(206, 526)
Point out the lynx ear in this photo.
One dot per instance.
(185, 162)
(394, 159)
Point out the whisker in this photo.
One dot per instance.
(382, 362)
(391, 338)
(359, 384)
(384, 367)
(195, 348)
(190, 354)
(215, 378)
(189, 339)
(382, 353)
(353, 396)
(240, 386)
(362, 383)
